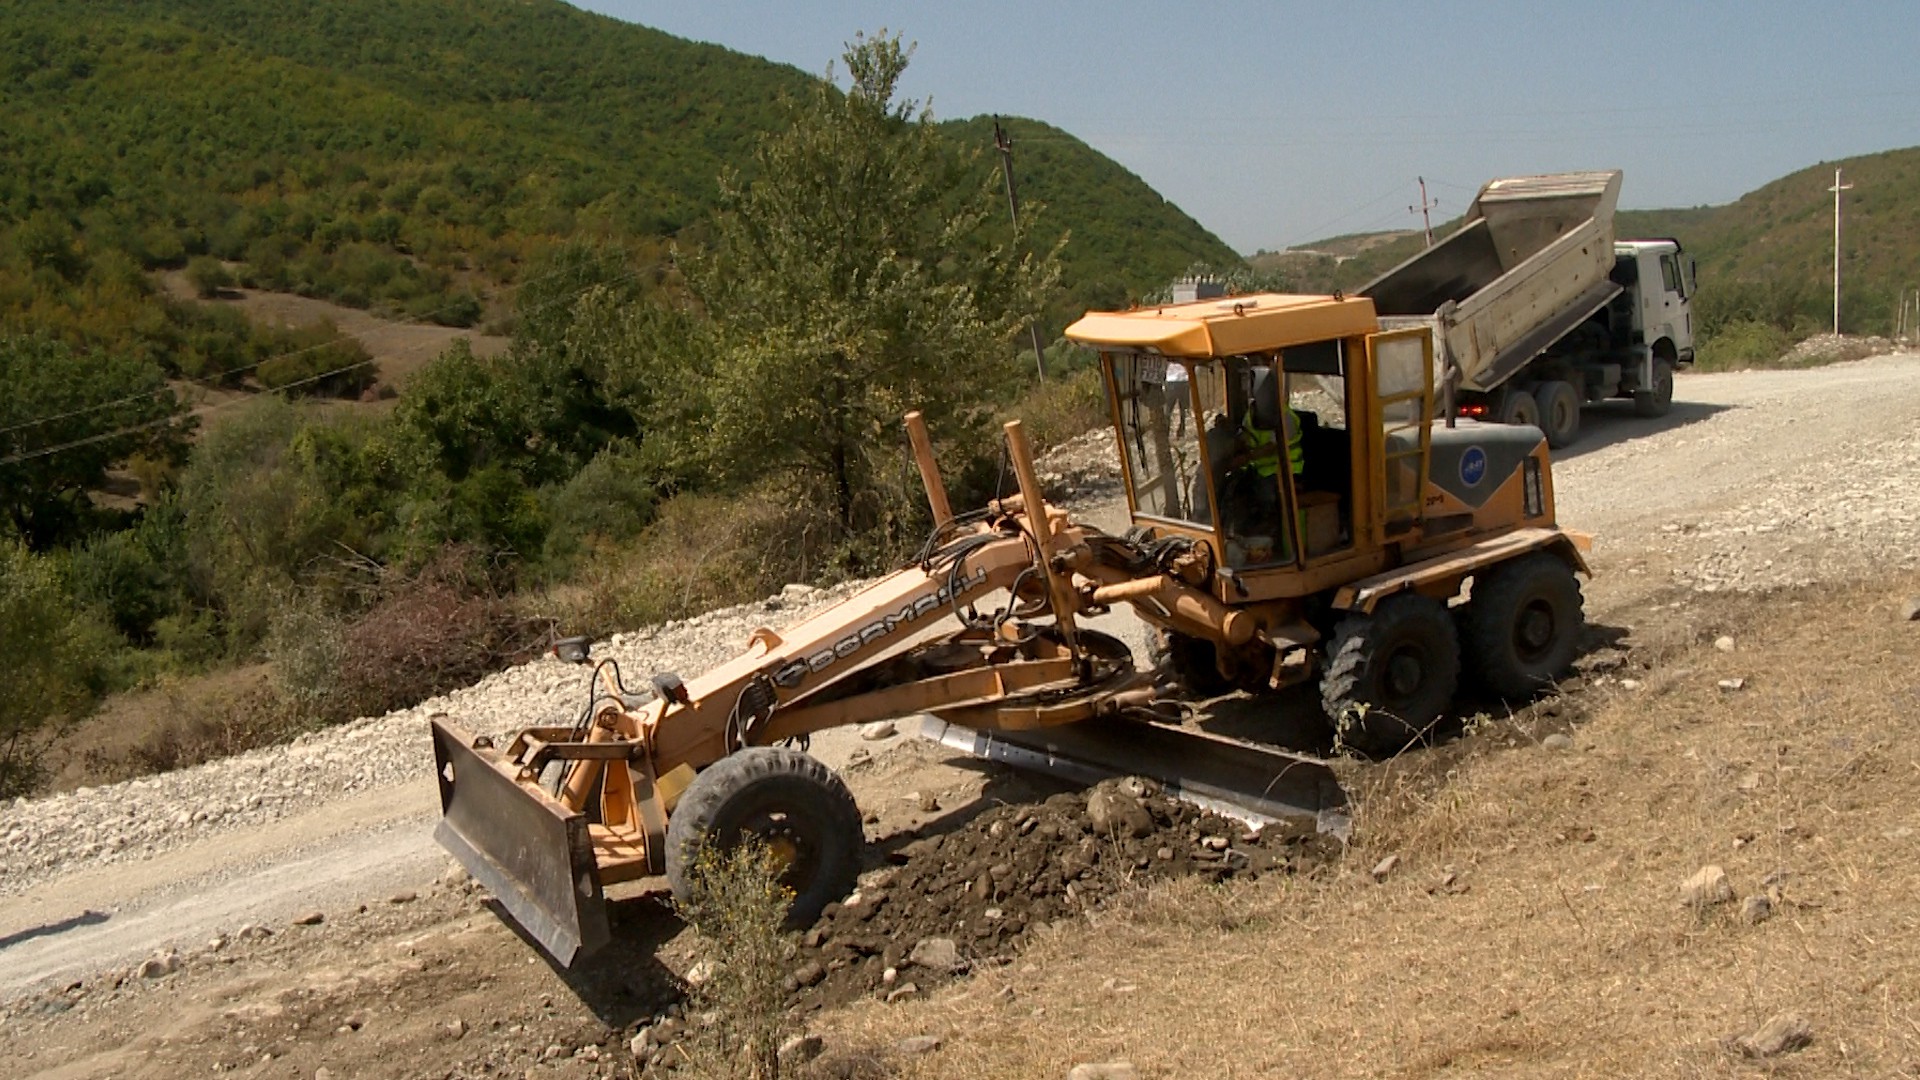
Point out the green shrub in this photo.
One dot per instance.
(318, 361)
(209, 276)
(49, 662)
(1744, 343)
(738, 906)
(609, 501)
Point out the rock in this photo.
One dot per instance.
(406, 896)
(160, 965)
(638, 1046)
(1910, 611)
(1724, 643)
(801, 1049)
(1112, 813)
(918, 1044)
(1730, 685)
(1756, 909)
(457, 1028)
(1557, 741)
(879, 729)
(1384, 867)
(937, 954)
(701, 973)
(809, 973)
(253, 932)
(1784, 1032)
(1707, 887)
(929, 802)
(902, 991)
(1104, 1070)
(311, 918)
(1630, 684)
(323, 1073)
(890, 976)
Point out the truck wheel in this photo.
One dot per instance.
(1522, 625)
(785, 799)
(1390, 674)
(1518, 407)
(1656, 402)
(1559, 412)
(1192, 661)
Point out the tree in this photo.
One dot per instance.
(46, 661)
(65, 419)
(859, 275)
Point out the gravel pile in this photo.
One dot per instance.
(1832, 348)
(141, 818)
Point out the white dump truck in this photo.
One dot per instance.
(1537, 310)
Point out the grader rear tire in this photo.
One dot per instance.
(1390, 675)
(1522, 626)
(785, 799)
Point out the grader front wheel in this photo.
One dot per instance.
(1390, 675)
(784, 799)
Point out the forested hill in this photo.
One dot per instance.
(412, 154)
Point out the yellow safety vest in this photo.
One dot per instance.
(1269, 464)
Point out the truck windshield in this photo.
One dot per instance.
(1161, 437)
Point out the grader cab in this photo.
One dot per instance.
(1332, 543)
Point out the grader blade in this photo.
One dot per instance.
(1255, 784)
(531, 852)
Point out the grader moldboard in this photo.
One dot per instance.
(1358, 539)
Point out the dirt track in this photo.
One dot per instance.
(1755, 480)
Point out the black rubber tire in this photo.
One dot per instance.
(1559, 412)
(1522, 626)
(1657, 401)
(1518, 407)
(1193, 661)
(1391, 675)
(781, 796)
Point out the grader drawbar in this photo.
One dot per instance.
(1298, 510)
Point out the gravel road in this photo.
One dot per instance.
(1757, 479)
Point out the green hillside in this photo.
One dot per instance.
(411, 156)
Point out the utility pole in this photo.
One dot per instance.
(1003, 142)
(1424, 209)
(1837, 188)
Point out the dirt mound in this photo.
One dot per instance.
(972, 897)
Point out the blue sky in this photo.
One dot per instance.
(1278, 123)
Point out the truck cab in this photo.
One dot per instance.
(1654, 308)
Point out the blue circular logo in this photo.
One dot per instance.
(1473, 466)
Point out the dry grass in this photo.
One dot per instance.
(1560, 948)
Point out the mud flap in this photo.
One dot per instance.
(530, 851)
(1255, 784)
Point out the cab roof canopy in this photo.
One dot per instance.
(1259, 322)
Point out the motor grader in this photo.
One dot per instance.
(1371, 545)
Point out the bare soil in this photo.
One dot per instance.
(1511, 904)
(400, 347)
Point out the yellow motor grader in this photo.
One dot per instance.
(1297, 510)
